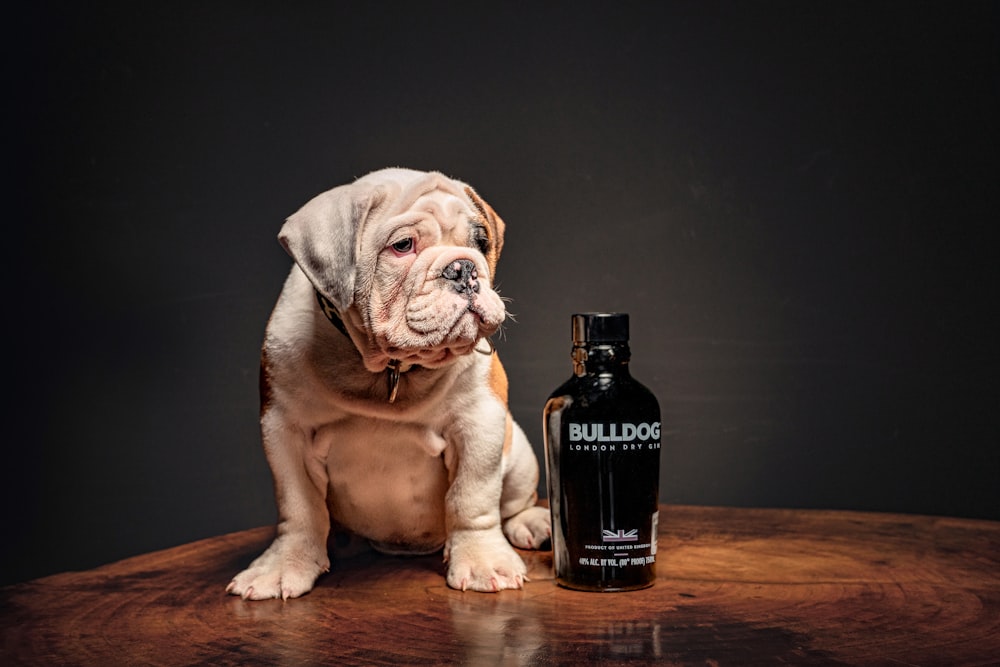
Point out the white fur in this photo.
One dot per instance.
(428, 470)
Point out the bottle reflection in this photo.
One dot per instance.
(494, 630)
(515, 628)
(631, 639)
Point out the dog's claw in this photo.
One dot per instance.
(247, 593)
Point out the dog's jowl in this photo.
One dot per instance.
(383, 405)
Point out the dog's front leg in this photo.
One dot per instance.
(298, 555)
(479, 556)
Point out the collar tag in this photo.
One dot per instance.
(392, 375)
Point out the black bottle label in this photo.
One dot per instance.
(603, 469)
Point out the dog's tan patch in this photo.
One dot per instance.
(498, 379)
(266, 395)
(494, 228)
(499, 386)
(508, 435)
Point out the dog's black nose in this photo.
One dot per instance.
(462, 275)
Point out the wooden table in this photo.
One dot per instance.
(735, 587)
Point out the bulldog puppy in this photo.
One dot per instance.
(383, 404)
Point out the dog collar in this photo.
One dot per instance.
(392, 370)
(331, 313)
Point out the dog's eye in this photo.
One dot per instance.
(481, 239)
(403, 246)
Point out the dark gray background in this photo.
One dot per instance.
(796, 202)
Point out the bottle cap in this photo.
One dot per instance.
(600, 328)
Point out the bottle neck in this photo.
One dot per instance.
(601, 358)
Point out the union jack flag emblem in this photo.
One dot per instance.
(620, 535)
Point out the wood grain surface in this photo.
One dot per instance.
(735, 587)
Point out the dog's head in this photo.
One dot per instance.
(408, 259)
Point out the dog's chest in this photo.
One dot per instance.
(387, 480)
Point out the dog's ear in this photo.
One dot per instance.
(322, 238)
(494, 227)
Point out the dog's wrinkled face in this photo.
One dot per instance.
(420, 281)
(431, 296)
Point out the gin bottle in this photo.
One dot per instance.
(602, 461)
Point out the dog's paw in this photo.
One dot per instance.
(530, 528)
(283, 571)
(481, 560)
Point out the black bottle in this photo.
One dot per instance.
(602, 461)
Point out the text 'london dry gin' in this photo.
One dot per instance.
(602, 461)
